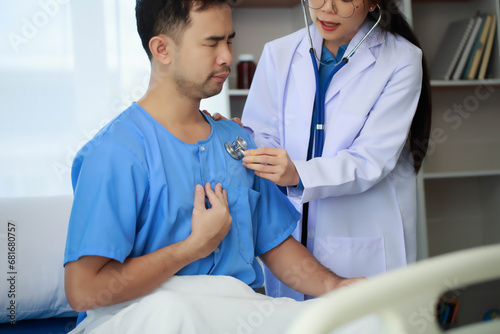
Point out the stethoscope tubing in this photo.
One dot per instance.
(318, 135)
(319, 130)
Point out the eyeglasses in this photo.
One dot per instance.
(343, 8)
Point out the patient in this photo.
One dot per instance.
(155, 192)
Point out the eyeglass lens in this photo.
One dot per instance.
(342, 8)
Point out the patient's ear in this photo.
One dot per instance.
(161, 47)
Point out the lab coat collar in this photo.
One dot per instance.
(362, 58)
(317, 39)
(303, 74)
(375, 38)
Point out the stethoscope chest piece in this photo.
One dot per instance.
(237, 148)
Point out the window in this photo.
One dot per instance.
(66, 69)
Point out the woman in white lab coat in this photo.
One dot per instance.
(362, 189)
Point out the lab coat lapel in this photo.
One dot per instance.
(362, 58)
(303, 73)
(303, 78)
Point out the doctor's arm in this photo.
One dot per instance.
(371, 156)
(94, 281)
(261, 111)
(295, 266)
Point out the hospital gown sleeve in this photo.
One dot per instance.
(277, 217)
(110, 187)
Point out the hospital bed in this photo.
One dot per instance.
(397, 298)
(32, 241)
(41, 307)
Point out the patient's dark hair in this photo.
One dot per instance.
(169, 17)
(394, 22)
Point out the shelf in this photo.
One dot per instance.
(440, 0)
(264, 3)
(431, 20)
(465, 133)
(464, 83)
(466, 158)
(460, 180)
(450, 175)
(238, 92)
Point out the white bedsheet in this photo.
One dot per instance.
(201, 304)
(195, 304)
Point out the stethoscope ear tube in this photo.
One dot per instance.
(345, 59)
(365, 36)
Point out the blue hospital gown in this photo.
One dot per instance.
(134, 186)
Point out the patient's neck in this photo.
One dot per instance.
(179, 114)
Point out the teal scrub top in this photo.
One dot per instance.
(134, 185)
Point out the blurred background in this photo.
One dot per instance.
(67, 67)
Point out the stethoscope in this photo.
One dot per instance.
(237, 148)
(318, 136)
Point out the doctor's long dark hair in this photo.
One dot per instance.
(394, 22)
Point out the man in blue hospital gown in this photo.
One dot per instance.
(155, 192)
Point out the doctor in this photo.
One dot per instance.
(360, 185)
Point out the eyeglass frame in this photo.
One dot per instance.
(334, 7)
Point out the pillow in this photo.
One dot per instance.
(32, 239)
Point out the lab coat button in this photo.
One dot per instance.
(310, 234)
(202, 148)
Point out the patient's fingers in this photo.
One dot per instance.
(216, 196)
(199, 200)
(221, 194)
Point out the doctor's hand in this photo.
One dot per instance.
(217, 117)
(273, 164)
(343, 282)
(209, 226)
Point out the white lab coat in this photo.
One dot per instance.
(362, 191)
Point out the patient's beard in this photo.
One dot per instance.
(203, 90)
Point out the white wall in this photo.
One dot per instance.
(256, 26)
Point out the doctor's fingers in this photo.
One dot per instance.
(237, 120)
(261, 159)
(265, 171)
(218, 117)
(282, 175)
(268, 155)
(274, 178)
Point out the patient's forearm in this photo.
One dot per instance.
(296, 267)
(94, 281)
